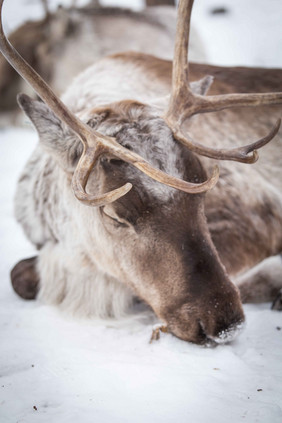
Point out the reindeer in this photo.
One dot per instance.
(49, 44)
(122, 202)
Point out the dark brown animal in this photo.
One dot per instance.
(111, 224)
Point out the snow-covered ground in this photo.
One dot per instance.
(59, 370)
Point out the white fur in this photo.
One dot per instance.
(78, 287)
(67, 277)
(95, 87)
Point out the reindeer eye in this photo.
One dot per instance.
(109, 213)
(117, 162)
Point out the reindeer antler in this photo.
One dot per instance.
(184, 103)
(94, 143)
(45, 8)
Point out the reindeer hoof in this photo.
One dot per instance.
(24, 278)
(277, 303)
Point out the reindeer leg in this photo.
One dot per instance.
(25, 279)
(263, 283)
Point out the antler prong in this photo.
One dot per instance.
(160, 176)
(184, 103)
(215, 103)
(240, 154)
(46, 8)
(263, 141)
(181, 91)
(94, 143)
(80, 178)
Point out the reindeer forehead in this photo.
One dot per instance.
(139, 128)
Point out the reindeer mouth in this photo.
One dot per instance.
(202, 337)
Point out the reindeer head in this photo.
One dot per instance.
(155, 235)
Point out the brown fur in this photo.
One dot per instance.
(176, 251)
(246, 234)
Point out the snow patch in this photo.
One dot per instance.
(229, 334)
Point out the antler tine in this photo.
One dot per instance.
(46, 8)
(240, 154)
(81, 175)
(184, 103)
(214, 103)
(94, 143)
(181, 93)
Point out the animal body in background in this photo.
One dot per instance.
(87, 33)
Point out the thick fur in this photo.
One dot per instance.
(94, 260)
(49, 219)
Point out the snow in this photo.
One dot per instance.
(54, 368)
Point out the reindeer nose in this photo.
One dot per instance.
(224, 332)
(228, 334)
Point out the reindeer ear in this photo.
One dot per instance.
(55, 138)
(45, 121)
(202, 86)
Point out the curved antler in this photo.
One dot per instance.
(240, 154)
(184, 103)
(93, 142)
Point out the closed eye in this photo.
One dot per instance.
(108, 213)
